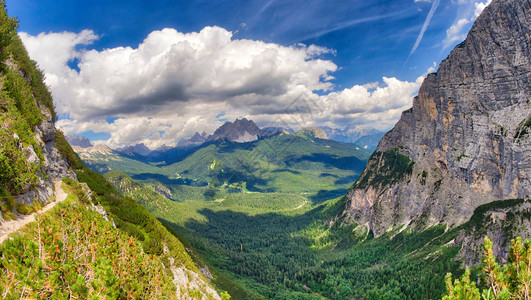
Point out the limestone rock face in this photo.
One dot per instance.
(241, 131)
(54, 165)
(495, 224)
(467, 139)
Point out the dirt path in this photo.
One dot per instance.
(10, 226)
(300, 206)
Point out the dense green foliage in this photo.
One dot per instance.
(308, 253)
(7, 30)
(22, 92)
(392, 167)
(510, 281)
(72, 252)
(283, 174)
(298, 255)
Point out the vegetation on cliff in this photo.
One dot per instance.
(73, 252)
(509, 281)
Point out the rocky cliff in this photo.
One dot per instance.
(29, 158)
(241, 131)
(54, 165)
(466, 140)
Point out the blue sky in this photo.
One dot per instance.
(366, 41)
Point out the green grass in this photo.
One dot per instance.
(71, 251)
(21, 91)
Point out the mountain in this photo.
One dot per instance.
(465, 142)
(136, 150)
(89, 241)
(196, 139)
(30, 158)
(241, 131)
(80, 141)
(314, 132)
(277, 130)
(351, 133)
(370, 142)
(321, 168)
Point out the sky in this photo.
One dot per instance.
(154, 72)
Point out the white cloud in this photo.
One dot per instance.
(53, 50)
(174, 84)
(459, 29)
(480, 7)
(368, 104)
(456, 32)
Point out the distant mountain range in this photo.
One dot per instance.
(80, 141)
(196, 139)
(138, 149)
(243, 131)
(362, 135)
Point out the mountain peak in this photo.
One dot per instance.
(196, 139)
(240, 131)
(461, 144)
(79, 141)
(138, 149)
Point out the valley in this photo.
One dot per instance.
(319, 205)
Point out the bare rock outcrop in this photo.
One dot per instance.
(467, 139)
(54, 165)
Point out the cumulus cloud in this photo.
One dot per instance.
(174, 84)
(456, 32)
(459, 29)
(370, 104)
(53, 50)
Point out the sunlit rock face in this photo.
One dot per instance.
(467, 139)
(241, 131)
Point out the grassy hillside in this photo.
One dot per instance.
(133, 219)
(21, 93)
(72, 251)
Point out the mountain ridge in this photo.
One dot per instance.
(109, 245)
(458, 147)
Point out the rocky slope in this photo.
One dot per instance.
(314, 132)
(55, 166)
(79, 141)
(466, 140)
(29, 160)
(241, 131)
(501, 221)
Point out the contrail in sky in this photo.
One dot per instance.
(425, 26)
(422, 30)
